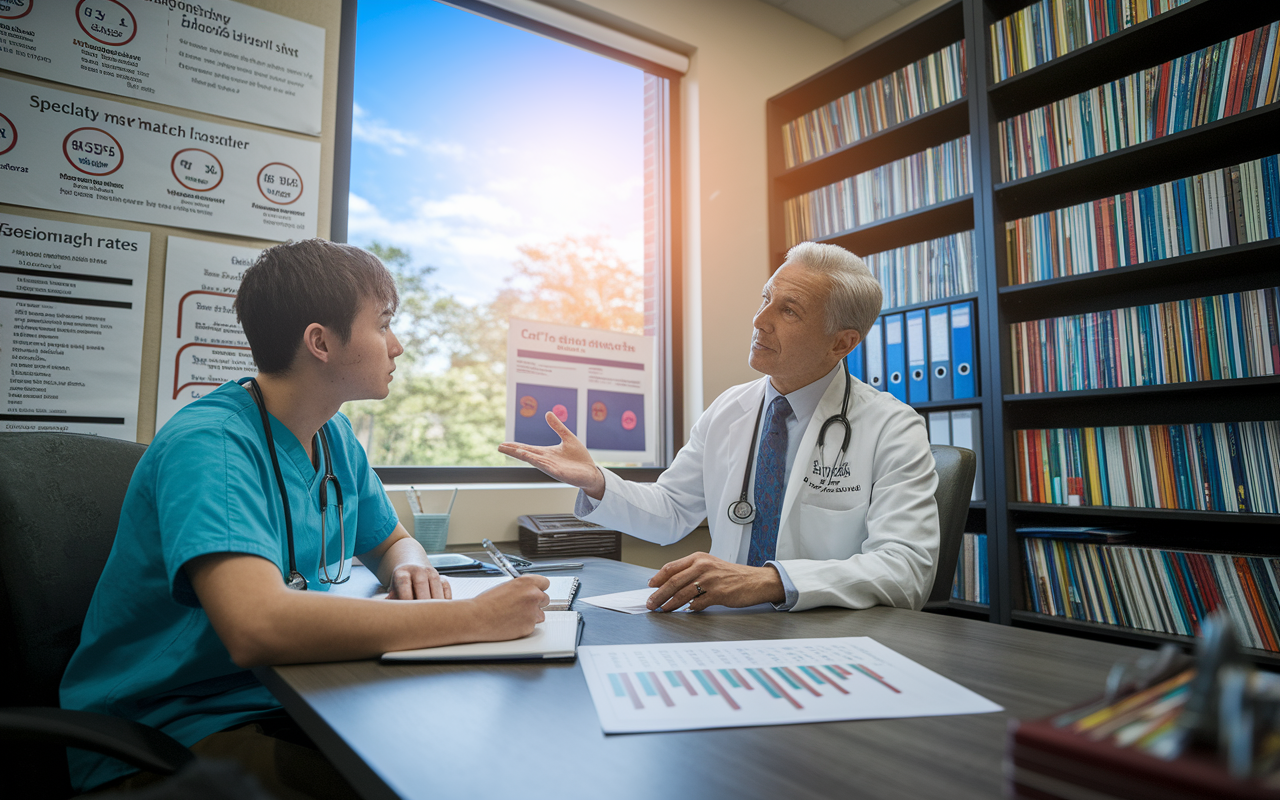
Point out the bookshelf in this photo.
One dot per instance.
(1229, 141)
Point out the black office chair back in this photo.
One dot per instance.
(60, 500)
(956, 467)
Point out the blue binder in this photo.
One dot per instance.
(895, 357)
(939, 354)
(917, 357)
(853, 361)
(964, 373)
(875, 356)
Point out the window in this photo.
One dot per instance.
(500, 174)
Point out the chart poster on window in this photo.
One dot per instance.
(600, 384)
(201, 346)
(72, 303)
(81, 154)
(215, 56)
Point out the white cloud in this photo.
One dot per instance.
(395, 141)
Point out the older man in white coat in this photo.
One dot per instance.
(851, 526)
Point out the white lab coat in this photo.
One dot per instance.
(872, 540)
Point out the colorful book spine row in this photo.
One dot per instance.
(1216, 82)
(932, 82)
(1208, 466)
(931, 176)
(971, 570)
(1169, 591)
(1221, 208)
(1045, 30)
(1206, 338)
(926, 271)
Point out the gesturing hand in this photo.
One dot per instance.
(568, 462)
(722, 584)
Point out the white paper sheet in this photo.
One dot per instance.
(670, 687)
(631, 602)
(71, 315)
(85, 155)
(216, 56)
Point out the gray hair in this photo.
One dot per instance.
(855, 298)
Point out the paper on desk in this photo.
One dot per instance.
(632, 602)
(674, 687)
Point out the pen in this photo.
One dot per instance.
(499, 558)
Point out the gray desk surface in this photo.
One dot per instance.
(530, 730)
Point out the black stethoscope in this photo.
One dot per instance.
(295, 580)
(742, 512)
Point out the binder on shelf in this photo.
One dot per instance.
(939, 354)
(966, 431)
(895, 357)
(917, 357)
(939, 427)
(964, 381)
(853, 361)
(875, 356)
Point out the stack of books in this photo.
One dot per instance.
(926, 178)
(1045, 30)
(1205, 338)
(1207, 466)
(925, 271)
(1216, 82)
(1220, 208)
(932, 82)
(1167, 591)
(971, 570)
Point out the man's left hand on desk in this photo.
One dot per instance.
(722, 584)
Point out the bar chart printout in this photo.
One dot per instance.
(670, 687)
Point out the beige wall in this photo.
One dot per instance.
(323, 13)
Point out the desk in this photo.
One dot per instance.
(530, 730)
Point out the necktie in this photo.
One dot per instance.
(770, 486)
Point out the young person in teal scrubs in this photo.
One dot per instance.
(194, 592)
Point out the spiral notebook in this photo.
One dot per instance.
(555, 639)
(562, 590)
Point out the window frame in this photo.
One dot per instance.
(670, 372)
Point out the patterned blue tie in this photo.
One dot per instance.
(771, 471)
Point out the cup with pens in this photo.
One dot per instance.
(431, 530)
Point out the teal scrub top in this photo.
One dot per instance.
(206, 485)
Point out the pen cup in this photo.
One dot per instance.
(431, 531)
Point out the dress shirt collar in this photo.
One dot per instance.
(804, 401)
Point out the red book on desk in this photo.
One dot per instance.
(1047, 762)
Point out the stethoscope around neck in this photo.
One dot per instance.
(742, 512)
(295, 579)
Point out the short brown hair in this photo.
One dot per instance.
(295, 284)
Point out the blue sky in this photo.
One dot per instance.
(471, 138)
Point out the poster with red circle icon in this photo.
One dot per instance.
(600, 384)
(216, 56)
(85, 155)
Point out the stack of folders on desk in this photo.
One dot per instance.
(926, 354)
(1128, 748)
(960, 428)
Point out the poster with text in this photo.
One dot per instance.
(600, 384)
(216, 56)
(201, 346)
(75, 153)
(72, 303)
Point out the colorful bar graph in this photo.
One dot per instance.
(728, 676)
(728, 698)
(786, 678)
(687, 685)
(817, 676)
(647, 684)
(745, 684)
(783, 692)
(662, 691)
(671, 676)
(755, 673)
(631, 691)
(803, 683)
(616, 683)
(706, 684)
(875, 677)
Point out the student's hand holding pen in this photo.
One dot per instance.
(510, 609)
